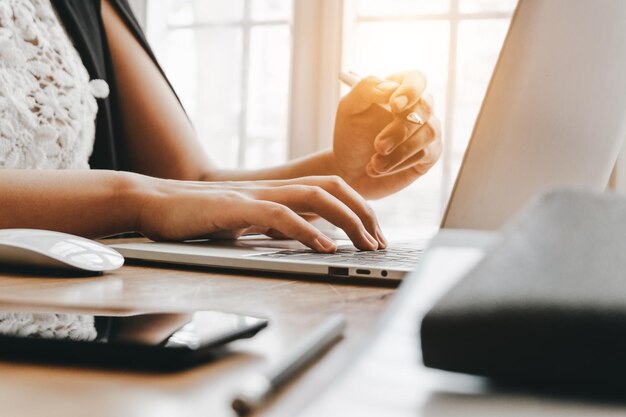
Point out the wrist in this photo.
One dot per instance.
(132, 191)
(328, 163)
(321, 163)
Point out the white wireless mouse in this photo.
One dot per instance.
(55, 250)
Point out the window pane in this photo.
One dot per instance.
(215, 10)
(271, 9)
(479, 45)
(218, 93)
(204, 64)
(268, 96)
(419, 205)
(179, 46)
(383, 48)
(174, 12)
(204, 67)
(478, 6)
(401, 7)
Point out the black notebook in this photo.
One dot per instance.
(546, 305)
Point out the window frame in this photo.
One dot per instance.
(454, 16)
(317, 30)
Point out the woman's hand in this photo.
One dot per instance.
(181, 210)
(378, 152)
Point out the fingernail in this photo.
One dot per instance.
(400, 102)
(387, 86)
(370, 171)
(381, 238)
(387, 145)
(325, 244)
(370, 238)
(383, 165)
(415, 118)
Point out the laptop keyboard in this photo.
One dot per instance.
(397, 256)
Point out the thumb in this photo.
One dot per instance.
(369, 91)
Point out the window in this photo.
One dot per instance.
(229, 61)
(239, 66)
(456, 44)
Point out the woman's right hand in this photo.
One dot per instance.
(182, 210)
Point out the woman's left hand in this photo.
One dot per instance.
(377, 152)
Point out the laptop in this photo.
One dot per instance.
(554, 115)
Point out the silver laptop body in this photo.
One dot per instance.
(554, 115)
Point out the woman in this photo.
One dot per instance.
(58, 60)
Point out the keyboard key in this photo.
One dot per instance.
(401, 257)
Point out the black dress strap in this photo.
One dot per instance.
(126, 13)
(83, 22)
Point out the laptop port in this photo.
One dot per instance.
(363, 271)
(341, 272)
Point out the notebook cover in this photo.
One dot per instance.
(547, 304)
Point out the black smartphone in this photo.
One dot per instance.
(158, 341)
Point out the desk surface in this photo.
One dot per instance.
(293, 306)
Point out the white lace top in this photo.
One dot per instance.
(48, 325)
(47, 102)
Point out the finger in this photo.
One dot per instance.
(275, 234)
(369, 91)
(225, 234)
(428, 133)
(259, 230)
(282, 219)
(400, 129)
(314, 199)
(421, 162)
(336, 186)
(430, 156)
(412, 85)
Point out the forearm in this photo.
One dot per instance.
(320, 163)
(86, 203)
(101, 203)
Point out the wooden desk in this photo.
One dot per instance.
(293, 307)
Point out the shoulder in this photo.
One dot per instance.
(83, 22)
(126, 13)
